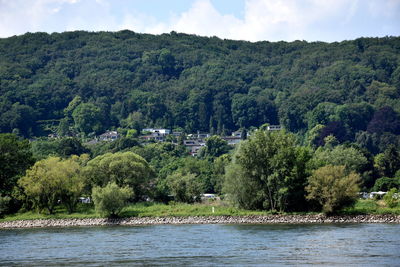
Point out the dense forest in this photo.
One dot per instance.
(338, 103)
(105, 80)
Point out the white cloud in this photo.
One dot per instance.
(203, 19)
(263, 19)
(272, 20)
(20, 16)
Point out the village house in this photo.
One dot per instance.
(232, 140)
(155, 136)
(193, 146)
(160, 131)
(274, 128)
(109, 136)
(237, 133)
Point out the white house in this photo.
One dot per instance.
(157, 130)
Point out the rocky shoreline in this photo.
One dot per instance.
(267, 219)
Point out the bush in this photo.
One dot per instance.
(110, 200)
(391, 198)
(4, 201)
(333, 188)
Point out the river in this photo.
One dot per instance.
(204, 245)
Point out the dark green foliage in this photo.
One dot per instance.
(4, 205)
(88, 118)
(386, 183)
(63, 147)
(70, 146)
(18, 119)
(215, 147)
(388, 162)
(15, 158)
(385, 120)
(356, 116)
(96, 81)
(121, 144)
(334, 128)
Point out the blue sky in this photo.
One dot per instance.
(253, 20)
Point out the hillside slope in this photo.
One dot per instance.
(125, 79)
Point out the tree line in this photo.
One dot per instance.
(270, 170)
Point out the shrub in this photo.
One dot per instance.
(391, 198)
(110, 200)
(333, 188)
(4, 201)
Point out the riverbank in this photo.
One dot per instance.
(255, 219)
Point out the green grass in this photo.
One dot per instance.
(83, 211)
(149, 209)
(181, 209)
(370, 206)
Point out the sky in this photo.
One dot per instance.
(251, 20)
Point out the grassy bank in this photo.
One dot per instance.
(371, 206)
(180, 209)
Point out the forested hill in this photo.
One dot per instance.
(95, 81)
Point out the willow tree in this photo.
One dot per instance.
(54, 179)
(122, 168)
(268, 171)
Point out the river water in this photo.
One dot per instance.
(206, 245)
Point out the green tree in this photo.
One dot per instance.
(122, 168)
(184, 188)
(70, 146)
(333, 187)
(51, 180)
(20, 118)
(215, 147)
(219, 166)
(88, 118)
(15, 158)
(268, 171)
(244, 110)
(322, 114)
(76, 101)
(355, 116)
(64, 127)
(388, 162)
(4, 204)
(72, 182)
(391, 199)
(350, 157)
(386, 183)
(111, 199)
